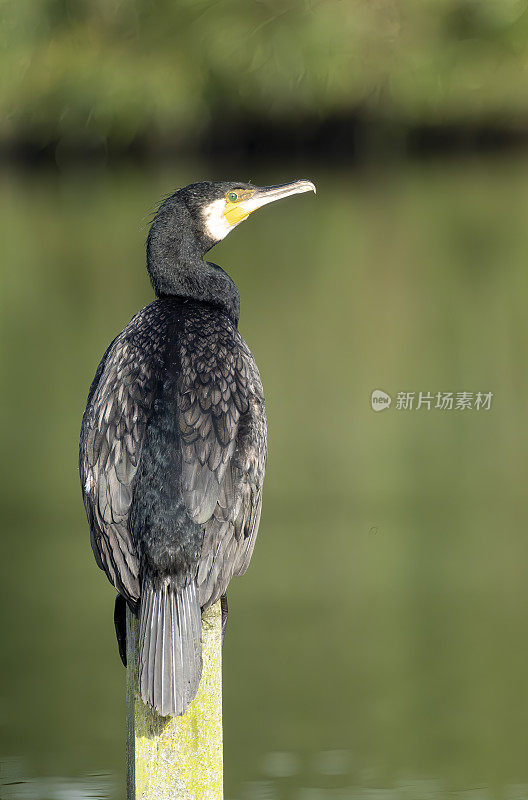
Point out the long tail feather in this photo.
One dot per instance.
(170, 647)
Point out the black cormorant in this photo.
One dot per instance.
(173, 441)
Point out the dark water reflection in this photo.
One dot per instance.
(15, 785)
(384, 616)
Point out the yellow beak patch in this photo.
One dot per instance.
(234, 213)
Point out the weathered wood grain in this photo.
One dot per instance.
(177, 758)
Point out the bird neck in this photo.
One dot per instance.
(176, 266)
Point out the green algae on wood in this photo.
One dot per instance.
(177, 758)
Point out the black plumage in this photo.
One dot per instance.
(173, 442)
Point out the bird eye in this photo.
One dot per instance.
(232, 197)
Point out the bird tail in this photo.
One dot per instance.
(170, 646)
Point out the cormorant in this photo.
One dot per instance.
(173, 442)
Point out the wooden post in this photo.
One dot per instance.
(177, 758)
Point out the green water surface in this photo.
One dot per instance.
(377, 646)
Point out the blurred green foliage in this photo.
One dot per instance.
(160, 70)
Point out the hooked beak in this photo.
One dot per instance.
(268, 194)
(264, 195)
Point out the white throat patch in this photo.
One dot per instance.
(216, 224)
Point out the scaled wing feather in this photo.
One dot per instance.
(112, 433)
(222, 425)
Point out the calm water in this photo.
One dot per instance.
(378, 645)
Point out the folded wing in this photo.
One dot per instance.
(222, 426)
(113, 428)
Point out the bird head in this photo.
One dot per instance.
(221, 206)
(190, 222)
